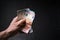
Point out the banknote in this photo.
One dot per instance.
(29, 15)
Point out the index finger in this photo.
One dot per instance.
(15, 19)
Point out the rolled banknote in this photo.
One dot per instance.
(29, 15)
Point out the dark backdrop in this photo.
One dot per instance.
(45, 21)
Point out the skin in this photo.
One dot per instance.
(13, 28)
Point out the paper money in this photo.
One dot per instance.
(29, 15)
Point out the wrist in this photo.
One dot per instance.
(3, 34)
(10, 31)
(7, 31)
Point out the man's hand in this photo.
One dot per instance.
(13, 27)
(15, 24)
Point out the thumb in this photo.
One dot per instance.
(21, 21)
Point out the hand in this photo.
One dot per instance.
(12, 29)
(14, 24)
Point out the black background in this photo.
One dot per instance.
(45, 25)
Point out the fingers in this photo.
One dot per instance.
(20, 21)
(26, 28)
(15, 19)
(28, 21)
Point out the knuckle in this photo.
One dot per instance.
(29, 23)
